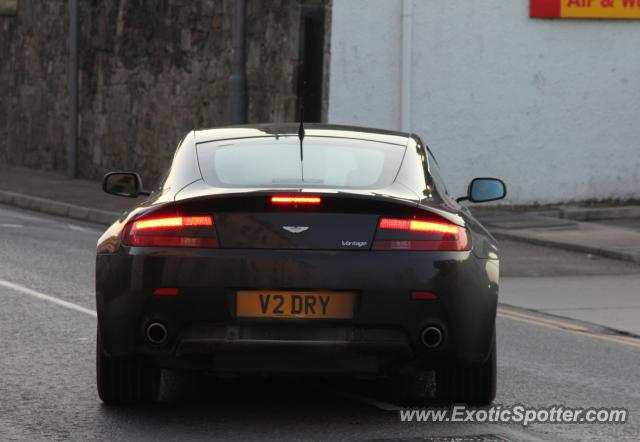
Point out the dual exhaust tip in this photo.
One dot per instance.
(156, 333)
(432, 337)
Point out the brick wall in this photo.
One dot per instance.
(149, 72)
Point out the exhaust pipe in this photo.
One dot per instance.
(432, 337)
(156, 333)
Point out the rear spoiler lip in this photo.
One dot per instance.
(200, 189)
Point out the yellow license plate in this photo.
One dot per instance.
(291, 304)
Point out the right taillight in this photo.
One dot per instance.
(172, 231)
(420, 234)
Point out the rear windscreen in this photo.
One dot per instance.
(275, 162)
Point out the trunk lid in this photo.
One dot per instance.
(292, 230)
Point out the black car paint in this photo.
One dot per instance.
(465, 282)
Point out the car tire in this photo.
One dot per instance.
(125, 380)
(468, 384)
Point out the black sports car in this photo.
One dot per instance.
(281, 249)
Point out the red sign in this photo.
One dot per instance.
(612, 9)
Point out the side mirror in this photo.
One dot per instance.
(127, 184)
(482, 190)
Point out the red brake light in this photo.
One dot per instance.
(166, 291)
(416, 234)
(175, 231)
(173, 222)
(423, 295)
(286, 199)
(418, 226)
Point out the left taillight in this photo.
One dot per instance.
(172, 231)
(420, 234)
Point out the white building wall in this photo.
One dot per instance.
(550, 106)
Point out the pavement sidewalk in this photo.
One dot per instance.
(610, 301)
(56, 194)
(617, 237)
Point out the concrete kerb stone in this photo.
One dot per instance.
(57, 208)
(599, 213)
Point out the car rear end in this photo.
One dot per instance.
(235, 291)
(315, 279)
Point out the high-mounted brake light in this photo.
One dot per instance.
(416, 234)
(284, 199)
(175, 231)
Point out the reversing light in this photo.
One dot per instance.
(285, 199)
(171, 241)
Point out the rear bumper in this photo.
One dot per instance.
(204, 332)
(289, 349)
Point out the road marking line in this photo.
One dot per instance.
(561, 324)
(12, 225)
(567, 327)
(45, 297)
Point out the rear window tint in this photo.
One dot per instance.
(275, 162)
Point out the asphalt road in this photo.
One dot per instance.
(47, 388)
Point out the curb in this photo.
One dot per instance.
(580, 248)
(595, 214)
(104, 217)
(572, 212)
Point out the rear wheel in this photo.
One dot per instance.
(125, 380)
(468, 384)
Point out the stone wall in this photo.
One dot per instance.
(33, 85)
(150, 71)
